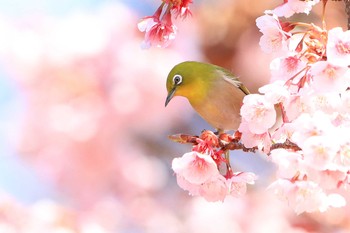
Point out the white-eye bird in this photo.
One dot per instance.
(214, 92)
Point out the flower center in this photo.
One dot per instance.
(343, 48)
(330, 72)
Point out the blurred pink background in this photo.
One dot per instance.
(83, 128)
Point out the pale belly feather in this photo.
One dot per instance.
(221, 107)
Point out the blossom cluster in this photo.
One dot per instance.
(206, 171)
(306, 103)
(159, 29)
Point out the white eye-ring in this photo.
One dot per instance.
(177, 79)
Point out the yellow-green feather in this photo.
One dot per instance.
(211, 90)
(197, 80)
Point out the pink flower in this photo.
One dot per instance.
(319, 151)
(283, 133)
(274, 38)
(278, 94)
(275, 92)
(307, 125)
(207, 143)
(195, 167)
(159, 29)
(290, 7)
(217, 187)
(294, 107)
(249, 139)
(345, 100)
(309, 102)
(338, 47)
(193, 189)
(180, 8)
(344, 156)
(328, 102)
(288, 162)
(305, 196)
(214, 189)
(285, 68)
(238, 183)
(327, 77)
(198, 174)
(326, 179)
(342, 159)
(147, 23)
(258, 113)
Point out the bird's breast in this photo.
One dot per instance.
(221, 106)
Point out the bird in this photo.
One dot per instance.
(213, 92)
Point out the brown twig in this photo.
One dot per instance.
(286, 145)
(231, 143)
(239, 146)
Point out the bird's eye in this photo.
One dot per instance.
(177, 79)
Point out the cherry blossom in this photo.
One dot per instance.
(300, 119)
(258, 113)
(290, 7)
(284, 68)
(327, 102)
(195, 167)
(217, 187)
(319, 151)
(158, 32)
(214, 189)
(193, 189)
(288, 162)
(238, 183)
(180, 8)
(327, 179)
(311, 98)
(200, 172)
(274, 37)
(342, 158)
(304, 105)
(328, 78)
(307, 125)
(159, 29)
(249, 139)
(275, 92)
(305, 196)
(338, 47)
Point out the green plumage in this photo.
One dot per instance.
(214, 92)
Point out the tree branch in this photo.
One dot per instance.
(227, 142)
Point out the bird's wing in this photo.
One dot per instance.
(228, 77)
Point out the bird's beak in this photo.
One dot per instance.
(170, 96)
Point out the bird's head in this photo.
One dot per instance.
(189, 79)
